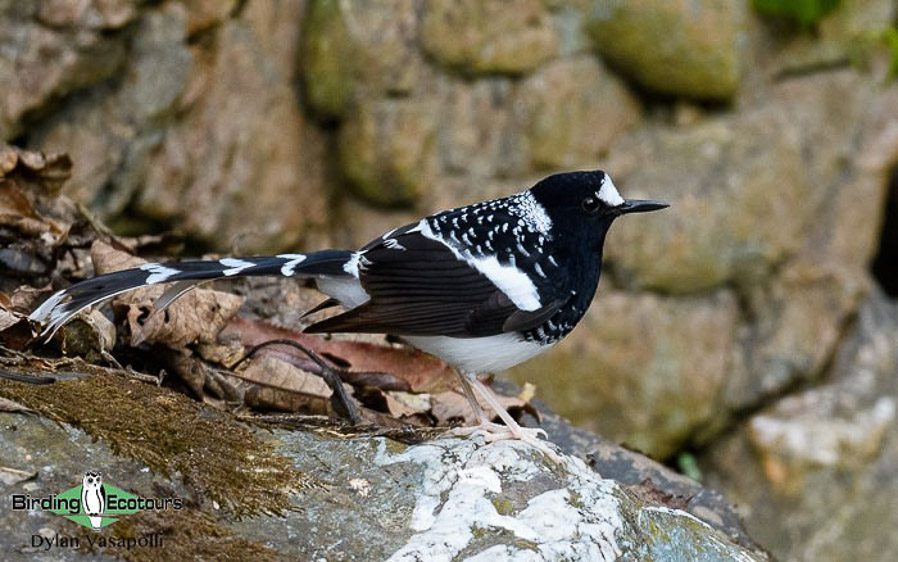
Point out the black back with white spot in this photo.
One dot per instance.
(427, 278)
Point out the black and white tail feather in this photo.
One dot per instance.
(335, 270)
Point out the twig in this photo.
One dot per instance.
(339, 399)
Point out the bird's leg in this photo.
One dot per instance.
(493, 431)
(482, 419)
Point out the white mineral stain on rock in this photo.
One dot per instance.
(460, 480)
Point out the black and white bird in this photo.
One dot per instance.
(483, 287)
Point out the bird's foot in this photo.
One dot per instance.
(493, 432)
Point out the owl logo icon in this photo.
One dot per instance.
(93, 498)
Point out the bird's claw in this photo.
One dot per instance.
(493, 432)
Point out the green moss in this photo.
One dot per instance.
(575, 500)
(188, 535)
(327, 59)
(503, 506)
(890, 38)
(697, 58)
(217, 456)
(804, 12)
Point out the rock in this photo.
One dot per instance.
(326, 59)
(111, 130)
(799, 320)
(641, 370)
(193, 125)
(241, 127)
(284, 302)
(501, 502)
(92, 14)
(387, 149)
(723, 222)
(570, 21)
(638, 472)
(477, 136)
(684, 48)
(450, 498)
(161, 66)
(277, 26)
(359, 49)
(204, 14)
(41, 63)
(571, 112)
(845, 34)
(753, 199)
(797, 259)
(814, 475)
(488, 37)
(365, 222)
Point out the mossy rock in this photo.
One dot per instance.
(681, 48)
(492, 36)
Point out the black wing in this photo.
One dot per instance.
(419, 286)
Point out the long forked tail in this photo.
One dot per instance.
(63, 305)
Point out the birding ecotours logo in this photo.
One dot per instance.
(94, 504)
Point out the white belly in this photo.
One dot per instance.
(479, 355)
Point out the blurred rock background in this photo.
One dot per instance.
(752, 327)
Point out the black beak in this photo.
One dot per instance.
(641, 206)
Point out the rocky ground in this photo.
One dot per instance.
(745, 319)
(285, 493)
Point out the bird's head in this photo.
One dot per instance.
(587, 202)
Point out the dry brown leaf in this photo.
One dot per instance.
(226, 354)
(8, 319)
(407, 405)
(386, 367)
(25, 298)
(16, 330)
(13, 407)
(47, 171)
(34, 220)
(165, 244)
(452, 407)
(17, 208)
(186, 367)
(285, 387)
(197, 316)
(272, 372)
(16, 211)
(388, 372)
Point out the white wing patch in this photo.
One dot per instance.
(235, 266)
(158, 273)
(516, 285)
(352, 265)
(608, 193)
(393, 244)
(287, 270)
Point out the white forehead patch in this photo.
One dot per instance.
(608, 193)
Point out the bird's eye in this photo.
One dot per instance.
(590, 205)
